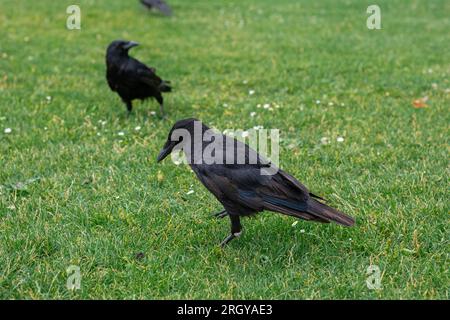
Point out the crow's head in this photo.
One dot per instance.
(120, 47)
(181, 131)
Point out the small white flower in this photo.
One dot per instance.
(245, 81)
(266, 106)
(277, 105)
(258, 105)
(8, 130)
(350, 239)
(295, 223)
(340, 139)
(251, 92)
(45, 128)
(49, 98)
(342, 104)
(302, 231)
(137, 128)
(252, 114)
(153, 113)
(190, 192)
(434, 85)
(121, 133)
(324, 140)
(317, 101)
(225, 105)
(330, 104)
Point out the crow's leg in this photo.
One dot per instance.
(129, 105)
(160, 100)
(221, 214)
(236, 229)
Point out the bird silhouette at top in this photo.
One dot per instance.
(158, 5)
(248, 187)
(132, 79)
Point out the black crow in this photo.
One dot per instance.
(247, 188)
(132, 79)
(159, 5)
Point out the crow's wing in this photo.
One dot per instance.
(136, 72)
(243, 187)
(158, 4)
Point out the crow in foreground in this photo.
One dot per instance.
(242, 188)
(159, 5)
(132, 79)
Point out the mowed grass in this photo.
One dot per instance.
(75, 192)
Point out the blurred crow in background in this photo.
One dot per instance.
(132, 79)
(158, 5)
(242, 188)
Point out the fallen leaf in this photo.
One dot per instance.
(420, 103)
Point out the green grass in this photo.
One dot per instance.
(102, 199)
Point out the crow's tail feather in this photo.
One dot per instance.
(165, 86)
(323, 211)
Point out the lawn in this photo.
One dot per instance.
(79, 182)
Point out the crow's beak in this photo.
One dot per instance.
(165, 151)
(130, 45)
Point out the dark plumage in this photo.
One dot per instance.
(243, 190)
(132, 79)
(158, 5)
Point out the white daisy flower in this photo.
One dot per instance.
(340, 139)
(251, 92)
(324, 140)
(137, 128)
(252, 114)
(8, 130)
(121, 133)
